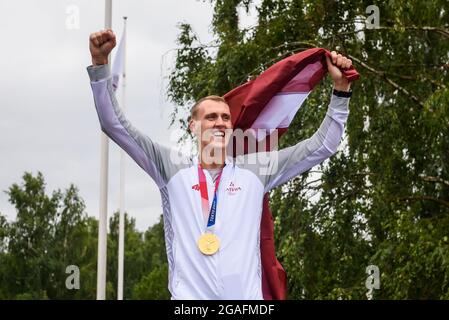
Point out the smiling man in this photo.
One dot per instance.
(212, 203)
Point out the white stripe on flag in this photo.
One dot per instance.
(280, 111)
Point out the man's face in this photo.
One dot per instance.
(212, 126)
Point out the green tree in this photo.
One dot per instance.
(52, 232)
(144, 262)
(134, 263)
(154, 284)
(3, 255)
(383, 199)
(49, 234)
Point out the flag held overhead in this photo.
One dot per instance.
(281, 88)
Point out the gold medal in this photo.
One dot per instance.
(208, 244)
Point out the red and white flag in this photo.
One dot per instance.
(272, 99)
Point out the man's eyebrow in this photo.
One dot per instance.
(215, 114)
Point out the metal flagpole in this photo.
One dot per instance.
(103, 217)
(121, 238)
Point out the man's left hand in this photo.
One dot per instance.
(334, 64)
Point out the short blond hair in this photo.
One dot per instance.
(194, 109)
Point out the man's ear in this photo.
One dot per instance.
(192, 129)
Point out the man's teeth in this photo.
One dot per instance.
(218, 134)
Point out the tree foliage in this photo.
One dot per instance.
(49, 233)
(144, 261)
(52, 232)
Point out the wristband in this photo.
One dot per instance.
(343, 94)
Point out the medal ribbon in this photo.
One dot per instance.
(210, 215)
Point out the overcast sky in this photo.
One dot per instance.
(48, 120)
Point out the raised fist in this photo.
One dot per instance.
(334, 64)
(101, 44)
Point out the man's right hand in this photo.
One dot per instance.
(101, 44)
